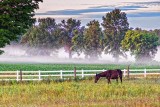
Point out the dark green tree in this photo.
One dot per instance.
(157, 32)
(43, 38)
(141, 44)
(115, 25)
(93, 40)
(69, 28)
(78, 41)
(16, 16)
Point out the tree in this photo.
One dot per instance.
(78, 40)
(93, 40)
(69, 27)
(115, 25)
(157, 32)
(141, 44)
(15, 17)
(43, 38)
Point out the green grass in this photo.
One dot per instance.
(48, 67)
(131, 93)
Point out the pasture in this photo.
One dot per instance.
(135, 92)
(131, 93)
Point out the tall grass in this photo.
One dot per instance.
(131, 93)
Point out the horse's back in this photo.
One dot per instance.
(111, 73)
(103, 74)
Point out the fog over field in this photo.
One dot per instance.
(17, 54)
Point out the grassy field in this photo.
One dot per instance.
(48, 67)
(131, 93)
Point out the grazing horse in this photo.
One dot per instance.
(110, 74)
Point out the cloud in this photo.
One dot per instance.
(97, 12)
(140, 14)
(97, 9)
(144, 14)
(145, 3)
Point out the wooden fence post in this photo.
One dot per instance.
(75, 72)
(20, 75)
(17, 75)
(128, 71)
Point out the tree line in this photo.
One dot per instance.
(112, 36)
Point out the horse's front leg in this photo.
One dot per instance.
(117, 80)
(120, 78)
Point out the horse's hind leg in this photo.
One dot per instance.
(109, 81)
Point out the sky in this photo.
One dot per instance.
(140, 13)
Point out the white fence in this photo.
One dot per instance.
(41, 75)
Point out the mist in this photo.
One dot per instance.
(17, 54)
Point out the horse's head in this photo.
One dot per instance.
(97, 78)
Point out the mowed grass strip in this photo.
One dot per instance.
(52, 67)
(131, 93)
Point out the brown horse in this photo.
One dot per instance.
(110, 74)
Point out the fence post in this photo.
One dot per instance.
(128, 72)
(145, 72)
(124, 72)
(20, 75)
(17, 75)
(75, 72)
(61, 74)
(82, 73)
(39, 75)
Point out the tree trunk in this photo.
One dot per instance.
(70, 54)
(128, 72)
(68, 50)
(116, 58)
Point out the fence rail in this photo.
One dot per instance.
(41, 75)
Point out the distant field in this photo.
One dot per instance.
(131, 93)
(47, 67)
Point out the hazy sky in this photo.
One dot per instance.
(140, 13)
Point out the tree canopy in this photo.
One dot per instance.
(78, 41)
(15, 17)
(43, 38)
(115, 25)
(93, 40)
(68, 28)
(141, 44)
